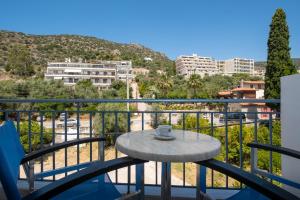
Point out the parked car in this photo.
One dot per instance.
(39, 118)
(264, 122)
(62, 116)
(231, 117)
(70, 123)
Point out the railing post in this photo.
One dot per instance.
(200, 181)
(31, 176)
(166, 180)
(253, 159)
(226, 138)
(139, 180)
(101, 143)
(78, 130)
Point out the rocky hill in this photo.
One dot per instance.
(296, 62)
(45, 48)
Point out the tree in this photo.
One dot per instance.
(164, 83)
(86, 89)
(19, 61)
(279, 61)
(35, 136)
(195, 83)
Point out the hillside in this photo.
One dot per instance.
(45, 48)
(296, 61)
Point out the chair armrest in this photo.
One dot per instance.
(264, 187)
(38, 153)
(282, 150)
(95, 169)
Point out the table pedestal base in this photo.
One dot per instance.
(166, 180)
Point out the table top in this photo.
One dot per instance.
(187, 147)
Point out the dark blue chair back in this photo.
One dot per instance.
(11, 154)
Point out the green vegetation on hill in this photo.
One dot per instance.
(296, 62)
(47, 48)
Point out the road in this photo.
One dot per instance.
(150, 167)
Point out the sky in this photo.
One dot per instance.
(218, 28)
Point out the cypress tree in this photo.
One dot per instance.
(279, 60)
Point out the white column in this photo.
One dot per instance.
(290, 127)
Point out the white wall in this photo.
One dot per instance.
(290, 126)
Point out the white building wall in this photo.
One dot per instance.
(290, 127)
(239, 65)
(101, 75)
(194, 64)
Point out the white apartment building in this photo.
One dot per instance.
(260, 71)
(238, 65)
(101, 74)
(221, 66)
(194, 64)
(124, 69)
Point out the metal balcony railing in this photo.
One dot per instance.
(41, 123)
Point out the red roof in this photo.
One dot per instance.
(243, 90)
(254, 82)
(224, 93)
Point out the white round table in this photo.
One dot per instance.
(186, 147)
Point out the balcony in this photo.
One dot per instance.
(40, 126)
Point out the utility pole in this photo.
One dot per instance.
(127, 89)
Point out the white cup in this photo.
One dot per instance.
(164, 130)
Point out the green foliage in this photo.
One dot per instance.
(279, 60)
(191, 123)
(196, 87)
(247, 136)
(85, 89)
(163, 83)
(41, 89)
(19, 61)
(109, 129)
(35, 136)
(194, 83)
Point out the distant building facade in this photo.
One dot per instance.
(194, 64)
(248, 90)
(259, 71)
(238, 65)
(221, 66)
(101, 74)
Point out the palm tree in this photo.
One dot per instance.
(164, 83)
(195, 83)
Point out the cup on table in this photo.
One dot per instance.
(164, 130)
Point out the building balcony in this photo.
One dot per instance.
(48, 75)
(44, 123)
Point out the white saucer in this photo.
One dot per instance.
(160, 137)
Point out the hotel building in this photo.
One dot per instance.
(194, 64)
(101, 74)
(238, 65)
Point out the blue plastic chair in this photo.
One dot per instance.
(257, 188)
(91, 182)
